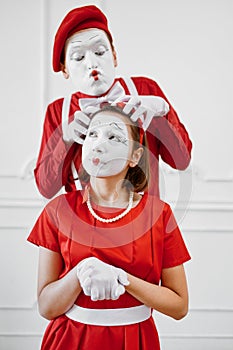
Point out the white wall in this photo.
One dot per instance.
(186, 46)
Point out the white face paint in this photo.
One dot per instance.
(89, 61)
(107, 146)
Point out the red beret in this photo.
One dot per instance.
(77, 19)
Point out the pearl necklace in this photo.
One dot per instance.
(118, 217)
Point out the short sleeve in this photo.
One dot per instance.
(45, 231)
(175, 251)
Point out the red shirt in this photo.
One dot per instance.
(142, 243)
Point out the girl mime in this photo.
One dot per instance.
(111, 253)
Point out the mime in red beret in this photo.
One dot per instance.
(83, 51)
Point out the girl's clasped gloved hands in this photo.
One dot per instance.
(100, 280)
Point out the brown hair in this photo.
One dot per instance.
(137, 178)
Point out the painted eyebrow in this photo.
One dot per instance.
(114, 124)
(76, 45)
(93, 37)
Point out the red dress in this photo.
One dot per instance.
(167, 138)
(142, 243)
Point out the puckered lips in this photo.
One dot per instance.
(95, 74)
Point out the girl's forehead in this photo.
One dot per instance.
(108, 118)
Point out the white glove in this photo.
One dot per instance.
(78, 127)
(147, 107)
(100, 280)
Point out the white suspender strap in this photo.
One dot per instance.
(65, 111)
(74, 171)
(131, 86)
(65, 122)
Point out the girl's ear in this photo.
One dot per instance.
(114, 57)
(136, 156)
(64, 71)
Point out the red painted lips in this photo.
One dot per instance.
(94, 73)
(95, 161)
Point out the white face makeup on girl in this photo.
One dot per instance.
(89, 61)
(107, 147)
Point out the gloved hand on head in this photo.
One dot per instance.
(141, 107)
(144, 107)
(77, 129)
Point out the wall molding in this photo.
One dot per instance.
(21, 334)
(191, 231)
(211, 309)
(196, 173)
(30, 203)
(201, 205)
(33, 307)
(196, 336)
(161, 336)
(198, 230)
(16, 227)
(204, 205)
(218, 179)
(27, 171)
